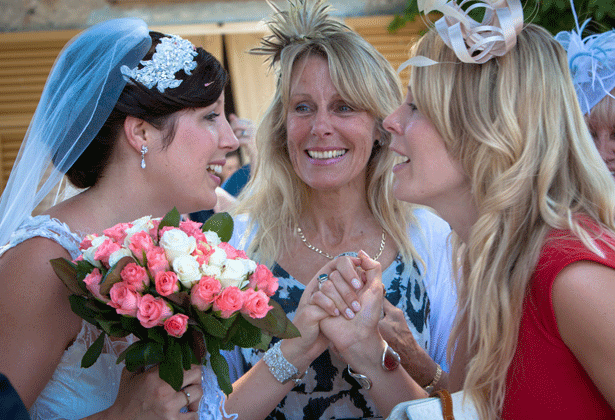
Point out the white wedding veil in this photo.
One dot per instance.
(80, 93)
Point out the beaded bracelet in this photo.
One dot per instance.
(281, 368)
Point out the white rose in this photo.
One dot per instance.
(187, 269)
(218, 257)
(142, 224)
(118, 255)
(89, 253)
(234, 274)
(212, 238)
(177, 243)
(249, 265)
(211, 270)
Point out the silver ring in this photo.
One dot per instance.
(321, 279)
(187, 395)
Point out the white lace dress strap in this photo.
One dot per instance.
(73, 392)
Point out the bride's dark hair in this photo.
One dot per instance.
(199, 89)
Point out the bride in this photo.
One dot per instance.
(136, 119)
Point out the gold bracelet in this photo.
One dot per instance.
(430, 388)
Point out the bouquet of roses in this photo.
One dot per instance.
(178, 287)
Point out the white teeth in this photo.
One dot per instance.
(329, 154)
(214, 168)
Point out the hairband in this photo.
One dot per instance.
(591, 61)
(472, 41)
(172, 55)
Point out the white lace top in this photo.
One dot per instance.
(74, 392)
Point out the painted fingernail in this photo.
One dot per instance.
(349, 313)
(356, 284)
(356, 306)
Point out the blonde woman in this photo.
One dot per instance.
(321, 188)
(524, 189)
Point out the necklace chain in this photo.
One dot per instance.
(329, 256)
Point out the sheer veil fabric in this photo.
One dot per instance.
(80, 93)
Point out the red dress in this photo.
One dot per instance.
(545, 380)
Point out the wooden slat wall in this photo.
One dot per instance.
(26, 59)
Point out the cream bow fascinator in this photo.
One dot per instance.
(472, 41)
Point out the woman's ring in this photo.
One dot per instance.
(187, 395)
(321, 279)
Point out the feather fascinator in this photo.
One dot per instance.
(473, 41)
(303, 22)
(591, 61)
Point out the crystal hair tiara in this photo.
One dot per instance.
(472, 41)
(172, 55)
(592, 63)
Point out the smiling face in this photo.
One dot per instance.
(186, 173)
(428, 174)
(329, 142)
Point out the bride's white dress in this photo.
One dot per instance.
(74, 392)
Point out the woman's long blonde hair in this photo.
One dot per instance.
(515, 126)
(275, 196)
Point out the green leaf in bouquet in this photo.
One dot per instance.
(197, 344)
(134, 326)
(219, 365)
(113, 328)
(113, 275)
(142, 353)
(92, 353)
(265, 341)
(172, 219)
(157, 334)
(67, 272)
(222, 224)
(181, 299)
(82, 307)
(170, 369)
(275, 323)
(84, 268)
(212, 325)
(244, 334)
(188, 357)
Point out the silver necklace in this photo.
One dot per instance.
(329, 256)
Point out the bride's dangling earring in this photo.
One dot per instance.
(143, 152)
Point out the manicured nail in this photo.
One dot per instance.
(356, 284)
(349, 313)
(356, 306)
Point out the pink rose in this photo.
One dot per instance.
(92, 283)
(263, 279)
(202, 252)
(153, 232)
(166, 283)
(117, 232)
(255, 304)
(140, 243)
(176, 325)
(153, 311)
(204, 293)
(124, 299)
(192, 228)
(157, 261)
(231, 252)
(229, 301)
(136, 276)
(86, 242)
(105, 250)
